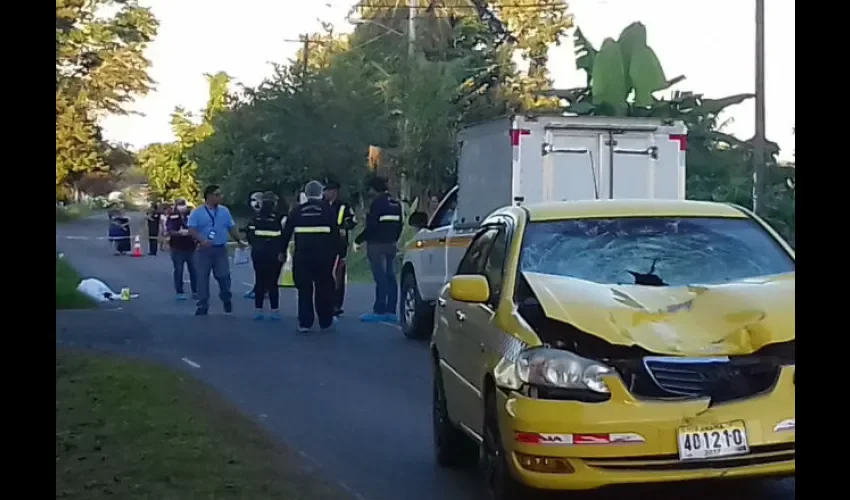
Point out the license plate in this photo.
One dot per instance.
(702, 442)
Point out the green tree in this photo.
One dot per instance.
(170, 168)
(536, 25)
(100, 68)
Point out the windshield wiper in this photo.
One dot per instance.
(648, 279)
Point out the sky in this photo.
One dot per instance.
(711, 42)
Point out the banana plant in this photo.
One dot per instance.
(620, 69)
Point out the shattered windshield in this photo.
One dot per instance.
(653, 251)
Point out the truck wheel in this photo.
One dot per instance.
(415, 315)
(501, 484)
(451, 446)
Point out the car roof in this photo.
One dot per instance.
(631, 208)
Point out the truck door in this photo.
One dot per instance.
(432, 274)
(571, 165)
(635, 167)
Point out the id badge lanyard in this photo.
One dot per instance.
(211, 233)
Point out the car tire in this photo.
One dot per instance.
(452, 447)
(501, 484)
(415, 316)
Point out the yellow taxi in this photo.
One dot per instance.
(585, 344)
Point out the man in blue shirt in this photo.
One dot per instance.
(210, 224)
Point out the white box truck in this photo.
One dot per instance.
(532, 159)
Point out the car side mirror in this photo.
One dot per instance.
(470, 288)
(418, 220)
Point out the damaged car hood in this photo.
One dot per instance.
(728, 319)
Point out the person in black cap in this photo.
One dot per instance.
(316, 246)
(346, 221)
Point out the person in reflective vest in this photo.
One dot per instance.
(255, 201)
(316, 234)
(381, 234)
(265, 236)
(346, 221)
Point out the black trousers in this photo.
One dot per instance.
(266, 272)
(153, 245)
(313, 278)
(339, 284)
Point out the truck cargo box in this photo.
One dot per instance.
(560, 158)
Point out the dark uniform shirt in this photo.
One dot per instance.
(346, 221)
(173, 225)
(315, 229)
(383, 223)
(153, 219)
(265, 236)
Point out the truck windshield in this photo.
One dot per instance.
(653, 251)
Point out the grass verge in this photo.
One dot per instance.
(71, 213)
(67, 296)
(132, 430)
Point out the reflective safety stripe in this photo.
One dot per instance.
(314, 229)
(268, 234)
(340, 215)
(389, 218)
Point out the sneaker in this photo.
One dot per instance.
(371, 318)
(180, 297)
(303, 329)
(249, 294)
(389, 318)
(201, 311)
(274, 316)
(338, 312)
(228, 307)
(259, 316)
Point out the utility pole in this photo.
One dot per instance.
(411, 48)
(306, 41)
(411, 26)
(759, 139)
(306, 56)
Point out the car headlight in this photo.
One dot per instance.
(545, 367)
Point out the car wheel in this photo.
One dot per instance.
(451, 446)
(416, 317)
(501, 484)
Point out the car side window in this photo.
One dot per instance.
(445, 214)
(494, 267)
(474, 260)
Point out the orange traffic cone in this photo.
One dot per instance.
(137, 247)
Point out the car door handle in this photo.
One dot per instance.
(460, 316)
(441, 301)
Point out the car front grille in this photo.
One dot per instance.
(722, 379)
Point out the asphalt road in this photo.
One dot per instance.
(354, 403)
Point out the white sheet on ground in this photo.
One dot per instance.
(97, 290)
